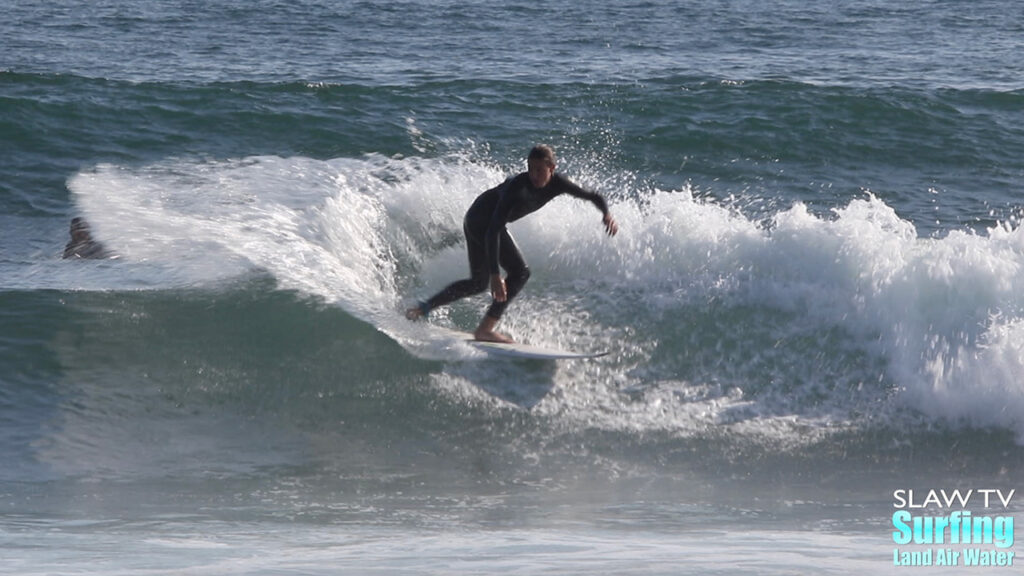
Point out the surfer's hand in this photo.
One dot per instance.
(498, 288)
(610, 225)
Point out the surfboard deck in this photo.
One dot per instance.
(517, 350)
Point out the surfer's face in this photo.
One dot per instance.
(540, 172)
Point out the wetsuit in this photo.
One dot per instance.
(81, 244)
(490, 244)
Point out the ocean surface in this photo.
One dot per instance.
(815, 300)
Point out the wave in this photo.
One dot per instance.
(715, 321)
(771, 139)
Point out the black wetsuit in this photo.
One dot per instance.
(82, 244)
(490, 244)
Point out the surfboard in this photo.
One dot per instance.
(517, 350)
(446, 338)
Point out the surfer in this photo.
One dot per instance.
(82, 244)
(490, 245)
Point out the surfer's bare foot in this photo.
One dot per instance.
(485, 332)
(493, 337)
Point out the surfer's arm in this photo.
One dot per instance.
(610, 225)
(498, 289)
(492, 241)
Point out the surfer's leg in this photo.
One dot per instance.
(511, 259)
(478, 282)
(517, 273)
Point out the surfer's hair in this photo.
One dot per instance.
(542, 152)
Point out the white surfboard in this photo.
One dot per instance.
(446, 338)
(517, 350)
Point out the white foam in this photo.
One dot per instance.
(942, 314)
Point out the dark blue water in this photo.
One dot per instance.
(814, 299)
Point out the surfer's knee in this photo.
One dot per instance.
(519, 277)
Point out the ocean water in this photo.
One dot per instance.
(815, 301)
